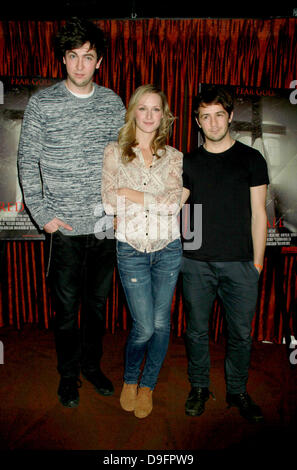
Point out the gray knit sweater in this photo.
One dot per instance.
(61, 151)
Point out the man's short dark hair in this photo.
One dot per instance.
(76, 33)
(214, 94)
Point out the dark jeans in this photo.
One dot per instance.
(81, 273)
(149, 281)
(236, 283)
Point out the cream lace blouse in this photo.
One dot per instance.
(149, 227)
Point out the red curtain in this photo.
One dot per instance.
(177, 55)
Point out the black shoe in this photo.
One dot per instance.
(247, 408)
(68, 391)
(195, 404)
(101, 383)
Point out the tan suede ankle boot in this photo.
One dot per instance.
(128, 397)
(144, 402)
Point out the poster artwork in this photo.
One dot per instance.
(266, 119)
(15, 221)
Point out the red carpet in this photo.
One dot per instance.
(32, 419)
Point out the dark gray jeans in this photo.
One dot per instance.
(80, 276)
(236, 283)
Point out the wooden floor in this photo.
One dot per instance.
(32, 419)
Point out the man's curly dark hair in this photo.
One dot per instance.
(213, 94)
(75, 33)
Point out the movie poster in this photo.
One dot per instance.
(266, 119)
(15, 222)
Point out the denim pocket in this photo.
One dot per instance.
(174, 246)
(253, 267)
(124, 250)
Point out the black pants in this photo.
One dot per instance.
(236, 283)
(81, 273)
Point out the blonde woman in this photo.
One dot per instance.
(142, 186)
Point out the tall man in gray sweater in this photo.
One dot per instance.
(65, 130)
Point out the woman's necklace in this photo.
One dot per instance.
(147, 156)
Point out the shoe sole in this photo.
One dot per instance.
(142, 415)
(103, 392)
(256, 419)
(194, 413)
(70, 404)
(128, 409)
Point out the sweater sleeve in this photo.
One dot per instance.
(118, 120)
(29, 154)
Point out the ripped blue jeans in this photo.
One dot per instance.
(149, 281)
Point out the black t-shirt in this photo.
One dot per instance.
(221, 184)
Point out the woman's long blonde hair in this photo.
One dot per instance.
(127, 135)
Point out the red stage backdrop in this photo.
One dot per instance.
(177, 55)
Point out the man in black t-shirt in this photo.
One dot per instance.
(229, 181)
